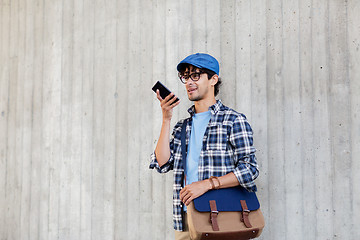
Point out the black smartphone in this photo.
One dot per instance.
(164, 91)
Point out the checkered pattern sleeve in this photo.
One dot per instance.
(164, 168)
(169, 165)
(246, 168)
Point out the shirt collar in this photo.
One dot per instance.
(213, 109)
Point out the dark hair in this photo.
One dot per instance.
(210, 75)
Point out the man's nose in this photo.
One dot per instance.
(189, 81)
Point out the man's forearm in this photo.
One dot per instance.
(228, 180)
(162, 150)
(196, 189)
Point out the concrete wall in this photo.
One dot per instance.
(78, 119)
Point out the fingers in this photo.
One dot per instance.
(167, 97)
(167, 104)
(192, 191)
(169, 101)
(158, 95)
(186, 196)
(173, 103)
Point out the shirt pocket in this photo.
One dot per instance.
(217, 138)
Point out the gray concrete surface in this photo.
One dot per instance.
(78, 119)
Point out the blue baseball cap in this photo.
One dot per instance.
(201, 60)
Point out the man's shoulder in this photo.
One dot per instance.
(230, 114)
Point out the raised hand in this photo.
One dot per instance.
(167, 105)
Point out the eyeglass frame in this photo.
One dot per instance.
(190, 76)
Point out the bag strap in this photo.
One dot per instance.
(245, 214)
(213, 215)
(183, 144)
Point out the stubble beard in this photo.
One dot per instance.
(195, 99)
(198, 97)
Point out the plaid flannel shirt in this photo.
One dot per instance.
(227, 147)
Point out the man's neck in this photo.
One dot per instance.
(204, 104)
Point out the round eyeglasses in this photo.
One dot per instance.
(194, 76)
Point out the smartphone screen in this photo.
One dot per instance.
(164, 91)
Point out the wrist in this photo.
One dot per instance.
(210, 184)
(166, 121)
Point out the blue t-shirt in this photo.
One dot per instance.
(198, 128)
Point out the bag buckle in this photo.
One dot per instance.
(217, 212)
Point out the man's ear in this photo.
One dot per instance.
(214, 79)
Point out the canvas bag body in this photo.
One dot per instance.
(229, 217)
(230, 225)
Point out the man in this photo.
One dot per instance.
(219, 140)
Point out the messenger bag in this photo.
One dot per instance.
(226, 214)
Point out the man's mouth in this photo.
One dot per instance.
(191, 90)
